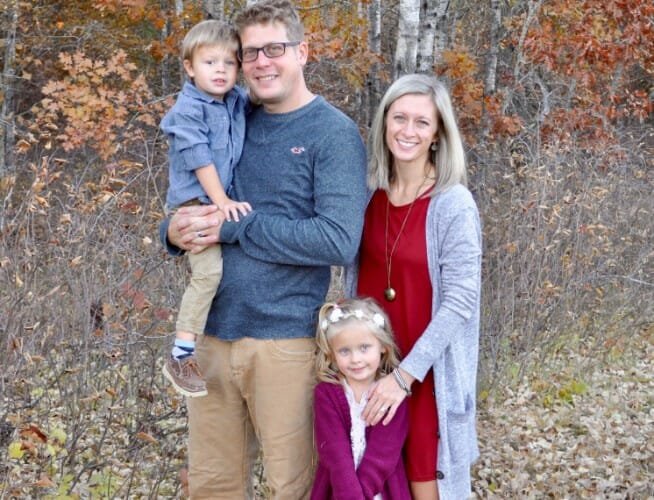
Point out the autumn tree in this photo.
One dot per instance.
(586, 65)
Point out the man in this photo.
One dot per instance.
(303, 171)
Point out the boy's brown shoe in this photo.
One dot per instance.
(185, 376)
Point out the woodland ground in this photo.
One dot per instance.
(580, 427)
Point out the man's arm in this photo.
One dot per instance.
(332, 235)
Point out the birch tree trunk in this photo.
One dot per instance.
(490, 79)
(374, 44)
(179, 11)
(7, 83)
(406, 50)
(427, 41)
(215, 9)
(490, 76)
(440, 36)
(165, 61)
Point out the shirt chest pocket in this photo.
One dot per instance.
(218, 131)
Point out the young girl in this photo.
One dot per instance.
(355, 348)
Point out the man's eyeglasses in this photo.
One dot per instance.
(270, 50)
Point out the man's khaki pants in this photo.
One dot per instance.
(260, 394)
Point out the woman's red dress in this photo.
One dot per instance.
(409, 313)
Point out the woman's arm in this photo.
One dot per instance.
(456, 255)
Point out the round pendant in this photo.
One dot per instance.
(390, 294)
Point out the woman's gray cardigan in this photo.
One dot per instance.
(450, 344)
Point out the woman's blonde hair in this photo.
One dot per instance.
(335, 316)
(449, 157)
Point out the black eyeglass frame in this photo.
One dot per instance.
(264, 49)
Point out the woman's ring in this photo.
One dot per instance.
(200, 235)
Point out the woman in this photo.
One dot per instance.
(422, 231)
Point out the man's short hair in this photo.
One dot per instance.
(269, 12)
(209, 32)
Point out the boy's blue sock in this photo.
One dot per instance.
(183, 349)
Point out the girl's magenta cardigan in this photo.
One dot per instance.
(381, 470)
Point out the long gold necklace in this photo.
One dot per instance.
(390, 294)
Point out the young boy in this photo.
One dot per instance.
(205, 129)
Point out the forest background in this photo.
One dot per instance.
(555, 102)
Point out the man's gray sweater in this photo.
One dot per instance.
(303, 172)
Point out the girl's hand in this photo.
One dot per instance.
(232, 209)
(196, 227)
(384, 398)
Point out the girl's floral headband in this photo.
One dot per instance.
(337, 314)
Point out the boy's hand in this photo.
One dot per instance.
(232, 209)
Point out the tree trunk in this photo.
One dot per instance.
(374, 44)
(165, 61)
(490, 79)
(214, 9)
(534, 7)
(440, 32)
(7, 83)
(427, 42)
(179, 11)
(406, 50)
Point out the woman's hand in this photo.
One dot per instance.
(196, 227)
(384, 398)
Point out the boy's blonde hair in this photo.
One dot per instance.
(209, 32)
(270, 12)
(335, 316)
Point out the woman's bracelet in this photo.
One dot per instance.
(401, 382)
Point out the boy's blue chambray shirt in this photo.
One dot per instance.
(202, 130)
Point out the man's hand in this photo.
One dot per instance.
(196, 227)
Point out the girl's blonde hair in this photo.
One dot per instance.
(335, 316)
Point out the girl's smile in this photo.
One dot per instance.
(357, 354)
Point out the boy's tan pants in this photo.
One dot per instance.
(206, 272)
